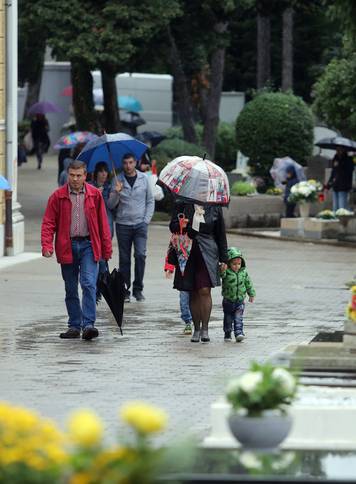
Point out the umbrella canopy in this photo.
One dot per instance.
(4, 184)
(279, 170)
(111, 148)
(112, 287)
(196, 179)
(67, 91)
(73, 139)
(130, 103)
(132, 119)
(151, 137)
(43, 107)
(336, 142)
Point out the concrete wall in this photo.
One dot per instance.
(256, 211)
(231, 105)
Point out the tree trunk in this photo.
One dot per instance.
(184, 107)
(33, 93)
(213, 104)
(111, 110)
(287, 49)
(83, 102)
(263, 50)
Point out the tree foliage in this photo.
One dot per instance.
(335, 95)
(274, 125)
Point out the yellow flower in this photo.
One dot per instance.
(85, 428)
(353, 289)
(80, 478)
(144, 418)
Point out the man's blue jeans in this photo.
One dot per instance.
(184, 299)
(340, 200)
(233, 316)
(136, 235)
(85, 270)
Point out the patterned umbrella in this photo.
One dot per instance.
(73, 139)
(197, 180)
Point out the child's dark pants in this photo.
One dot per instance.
(233, 316)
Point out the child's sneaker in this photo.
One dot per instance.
(239, 337)
(187, 328)
(227, 336)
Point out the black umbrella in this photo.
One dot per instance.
(337, 142)
(112, 287)
(132, 119)
(152, 137)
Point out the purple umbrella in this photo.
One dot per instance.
(44, 107)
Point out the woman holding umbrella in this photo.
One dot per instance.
(341, 178)
(202, 188)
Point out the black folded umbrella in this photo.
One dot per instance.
(112, 287)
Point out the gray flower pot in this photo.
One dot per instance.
(267, 431)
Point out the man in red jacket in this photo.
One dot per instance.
(76, 216)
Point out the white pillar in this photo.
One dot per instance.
(18, 228)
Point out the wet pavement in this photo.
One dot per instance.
(300, 291)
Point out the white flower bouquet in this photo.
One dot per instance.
(342, 212)
(305, 191)
(263, 387)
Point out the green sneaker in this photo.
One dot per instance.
(187, 329)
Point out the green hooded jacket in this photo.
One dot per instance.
(235, 285)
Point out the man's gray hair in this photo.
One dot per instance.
(76, 165)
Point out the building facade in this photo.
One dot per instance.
(8, 130)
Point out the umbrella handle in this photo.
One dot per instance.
(112, 161)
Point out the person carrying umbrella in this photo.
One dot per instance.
(341, 178)
(201, 187)
(76, 216)
(41, 142)
(134, 203)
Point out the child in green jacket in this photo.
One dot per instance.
(236, 284)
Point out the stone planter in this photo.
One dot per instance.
(265, 432)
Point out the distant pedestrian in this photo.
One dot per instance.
(236, 284)
(291, 180)
(63, 177)
(205, 226)
(63, 154)
(149, 168)
(41, 142)
(341, 178)
(76, 216)
(134, 203)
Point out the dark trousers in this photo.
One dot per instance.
(290, 207)
(233, 316)
(128, 236)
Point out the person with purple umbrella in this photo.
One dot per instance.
(41, 141)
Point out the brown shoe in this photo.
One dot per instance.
(70, 333)
(89, 332)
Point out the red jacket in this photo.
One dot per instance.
(57, 220)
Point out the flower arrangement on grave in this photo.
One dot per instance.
(342, 212)
(305, 191)
(326, 215)
(263, 387)
(34, 451)
(351, 307)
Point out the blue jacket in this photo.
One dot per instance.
(136, 204)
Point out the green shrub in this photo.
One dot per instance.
(225, 149)
(241, 189)
(274, 125)
(169, 149)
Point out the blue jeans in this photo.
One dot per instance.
(85, 269)
(233, 316)
(340, 200)
(184, 299)
(136, 235)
